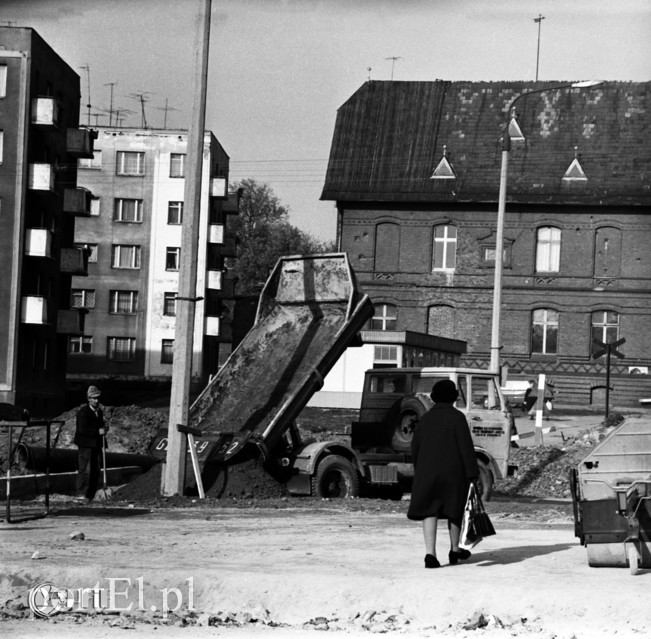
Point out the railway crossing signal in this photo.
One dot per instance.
(607, 349)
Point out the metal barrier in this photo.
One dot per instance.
(37, 423)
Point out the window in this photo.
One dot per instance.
(605, 326)
(385, 356)
(122, 349)
(92, 163)
(445, 247)
(125, 256)
(123, 302)
(80, 345)
(82, 298)
(548, 250)
(127, 210)
(177, 165)
(544, 337)
(3, 80)
(167, 351)
(172, 258)
(94, 206)
(130, 163)
(169, 304)
(175, 213)
(384, 318)
(92, 248)
(488, 255)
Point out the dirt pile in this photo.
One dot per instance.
(544, 471)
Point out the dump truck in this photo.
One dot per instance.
(310, 310)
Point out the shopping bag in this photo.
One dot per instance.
(481, 521)
(469, 537)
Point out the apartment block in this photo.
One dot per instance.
(133, 236)
(40, 143)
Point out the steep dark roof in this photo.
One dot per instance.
(390, 136)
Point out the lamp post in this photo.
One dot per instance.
(501, 207)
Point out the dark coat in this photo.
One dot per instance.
(444, 464)
(88, 425)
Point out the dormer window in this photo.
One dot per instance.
(444, 170)
(575, 171)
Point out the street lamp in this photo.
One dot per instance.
(501, 206)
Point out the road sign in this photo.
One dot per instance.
(610, 348)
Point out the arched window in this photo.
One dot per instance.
(544, 331)
(444, 251)
(548, 250)
(605, 326)
(385, 318)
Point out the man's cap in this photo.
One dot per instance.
(93, 391)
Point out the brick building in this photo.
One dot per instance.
(40, 143)
(133, 235)
(415, 170)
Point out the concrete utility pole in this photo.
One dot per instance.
(174, 478)
(539, 20)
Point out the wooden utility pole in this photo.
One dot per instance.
(174, 477)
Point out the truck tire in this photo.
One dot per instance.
(335, 478)
(485, 481)
(409, 412)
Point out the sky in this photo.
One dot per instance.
(280, 69)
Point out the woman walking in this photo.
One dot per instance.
(444, 467)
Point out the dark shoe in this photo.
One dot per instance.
(454, 557)
(431, 562)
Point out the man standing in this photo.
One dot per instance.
(89, 439)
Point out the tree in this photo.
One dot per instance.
(264, 234)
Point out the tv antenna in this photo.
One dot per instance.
(87, 69)
(539, 20)
(111, 84)
(141, 96)
(166, 109)
(368, 69)
(394, 59)
(114, 114)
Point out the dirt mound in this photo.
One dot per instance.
(246, 480)
(544, 471)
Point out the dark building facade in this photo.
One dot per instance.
(415, 171)
(40, 143)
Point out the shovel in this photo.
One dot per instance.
(103, 494)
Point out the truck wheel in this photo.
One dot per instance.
(485, 481)
(335, 478)
(404, 432)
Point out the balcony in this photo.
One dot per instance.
(45, 112)
(41, 177)
(212, 325)
(229, 247)
(219, 187)
(216, 233)
(34, 310)
(79, 142)
(77, 201)
(71, 321)
(38, 243)
(74, 261)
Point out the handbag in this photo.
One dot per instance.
(481, 521)
(475, 524)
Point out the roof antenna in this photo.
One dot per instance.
(165, 109)
(369, 73)
(142, 97)
(393, 63)
(111, 84)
